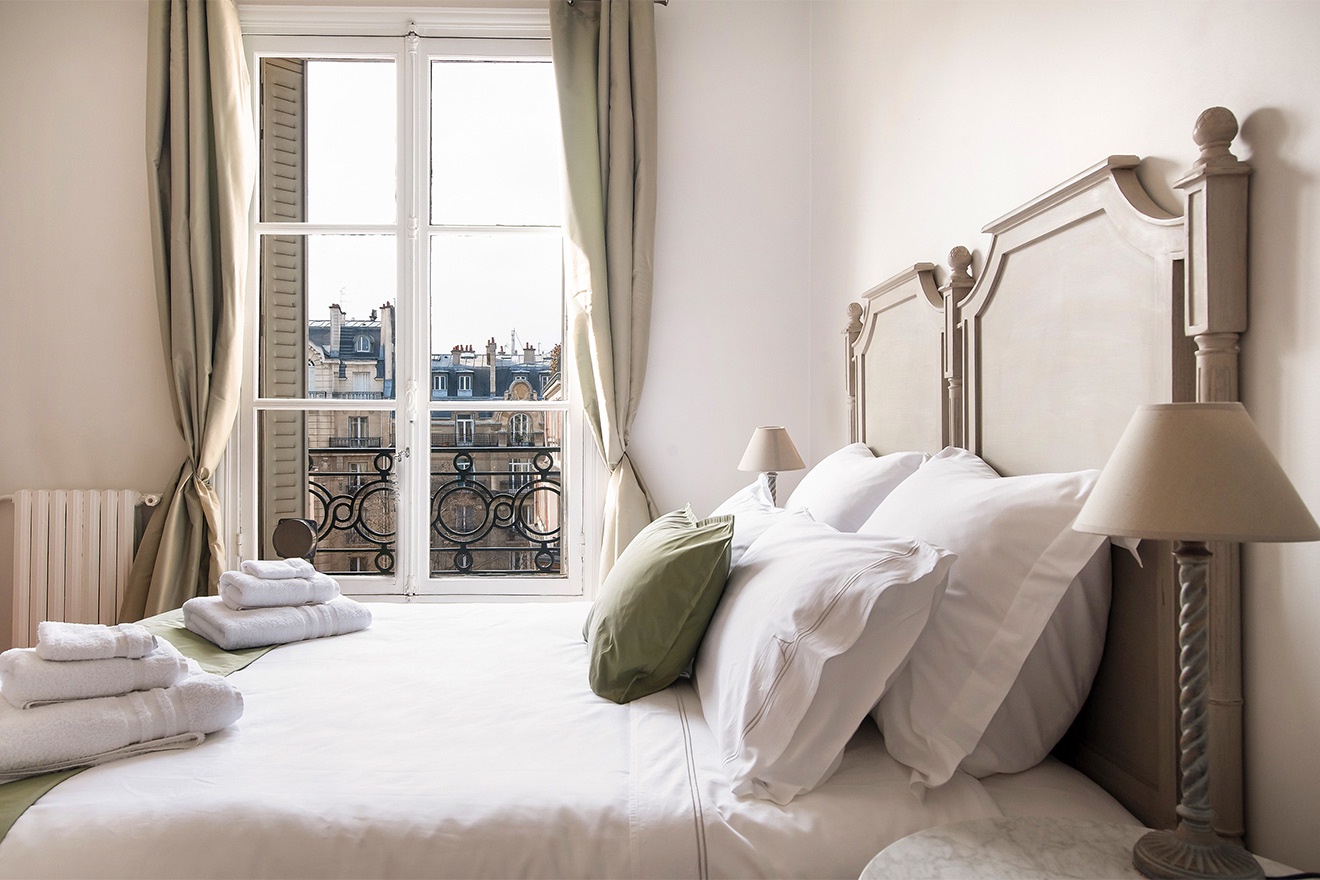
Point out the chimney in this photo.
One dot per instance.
(336, 326)
(490, 363)
(387, 342)
(529, 354)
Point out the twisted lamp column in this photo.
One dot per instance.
(1193, 850)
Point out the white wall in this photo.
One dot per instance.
(728, 349)
(934, 118)
(84, 392)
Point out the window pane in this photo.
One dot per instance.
(336, 469)
(329, 148)
(495, 505)
(327, 316)
(496, 316)
(495, 144)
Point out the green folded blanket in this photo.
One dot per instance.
(17, 796)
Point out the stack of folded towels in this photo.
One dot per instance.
(88, 693)
(272, 602)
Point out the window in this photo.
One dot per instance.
(520, 429)
(464, 429)
(408, 224)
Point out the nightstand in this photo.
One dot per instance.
(1027, 848)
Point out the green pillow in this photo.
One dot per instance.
(656, 603)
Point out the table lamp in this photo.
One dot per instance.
(770, 451)
(1192, 473)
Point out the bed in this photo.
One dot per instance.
(464, 741)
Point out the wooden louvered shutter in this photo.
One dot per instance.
(283, 435)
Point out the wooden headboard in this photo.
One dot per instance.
(1092, 300)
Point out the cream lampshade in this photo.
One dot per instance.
(771, 451)
(1191, 473)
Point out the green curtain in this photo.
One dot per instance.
(201, 153)
(605, 68)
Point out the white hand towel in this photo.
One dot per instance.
(72, 733)
(240, 590)
(210, 618)
(92, 641)
(274, 569)
(27, 680)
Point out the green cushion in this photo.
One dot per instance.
(656, 603)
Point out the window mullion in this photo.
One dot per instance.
(414, 281)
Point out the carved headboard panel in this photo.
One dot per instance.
(1092, 300)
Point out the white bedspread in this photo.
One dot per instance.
(463, 741)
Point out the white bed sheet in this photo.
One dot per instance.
(463, 741)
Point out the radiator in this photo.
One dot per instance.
(72, 553)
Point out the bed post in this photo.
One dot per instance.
(954, 291)
(851, 333)
(1215, 191)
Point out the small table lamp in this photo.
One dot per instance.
(770, 451)
(1191, 473)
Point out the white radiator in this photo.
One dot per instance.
(72, 553)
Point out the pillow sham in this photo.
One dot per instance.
(844, 487)
(753, 512)
(812, 626)
(1055, 679)
(1017, 555)
(655, 604)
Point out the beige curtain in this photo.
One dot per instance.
(201, 153)
(604, 57)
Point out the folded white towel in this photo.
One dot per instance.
(92, 641)
(73, 733)
(27, 680)
(212, 619)
(240, 590)
(295, 567)
(165, 743)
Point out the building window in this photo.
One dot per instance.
(520, 429)
(465, 429)
(442, 155)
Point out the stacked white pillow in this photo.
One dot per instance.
(1017, 558)
(812, 625)
(753, 512)
(964, 614)
(847, 485)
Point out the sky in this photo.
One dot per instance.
(496, 160)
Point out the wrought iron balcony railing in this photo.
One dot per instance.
(485, 517)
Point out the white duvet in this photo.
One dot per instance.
(463, 741)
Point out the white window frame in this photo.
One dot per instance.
(359, 33)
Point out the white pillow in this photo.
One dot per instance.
(1017, 555)
(844, 487)
(811, 628)
(1055, 678)
(753, 512)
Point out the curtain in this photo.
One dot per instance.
(605, 68)
(201, 153)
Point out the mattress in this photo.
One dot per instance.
(456, 740)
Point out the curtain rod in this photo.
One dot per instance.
(656, 2)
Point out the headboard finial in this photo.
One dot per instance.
(1214, 133)
(960, 260)
(854, 320)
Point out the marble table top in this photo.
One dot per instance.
(1016, 849)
